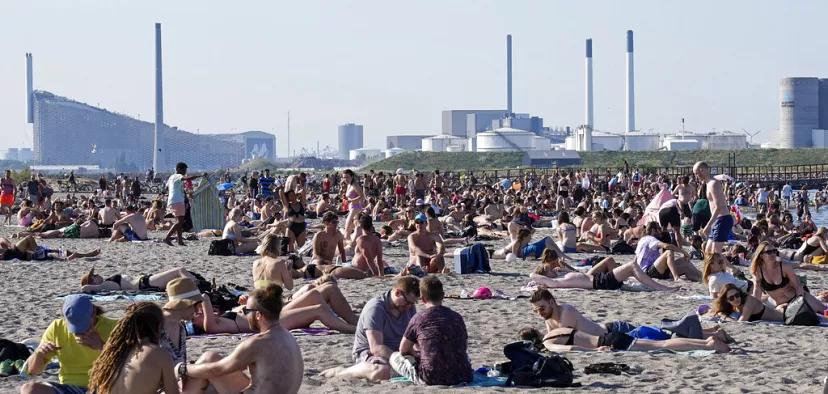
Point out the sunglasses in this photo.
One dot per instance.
(418, 221)
(247, 311)
(407, 302)
(772, 251)
(737, 296)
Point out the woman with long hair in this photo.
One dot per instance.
(778, 280)
(294, 205)
(567, 233)
(355, 197)
(233, 231)
(605, 275)
(814, 248)
(716, 274)
(733, 299)
(132, 361)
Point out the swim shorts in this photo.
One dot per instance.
(71, 231)
(399, 191)
(570, 250)
(535, 249)
(616, 340)
(178, 209)
(131, 235)
(721, 228)
(605, 281)
(619, 326)
(7, 199)
(652, 272)
(669, 216)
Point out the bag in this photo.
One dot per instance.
(471, 259)
(799, 313)
(13, 351)
(530, 368)
(621, 247)
(202, 283)
(222, 247)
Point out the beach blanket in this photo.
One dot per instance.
(148, 240)
(651, 212)
(736, 315)
(696, 298)
(297, 332)
(122, 296)
(633, 286)
(479, 381)
(689, 353)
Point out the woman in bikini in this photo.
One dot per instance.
(778, 280)
(155, 217)
(355, 197)
(814, 248)
(733, 299)
(567, 233)
(606, 275)
(93, 283)
(294, 207)
(598, 238)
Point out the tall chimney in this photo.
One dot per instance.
(630, 84)
(158, 154)
(509, 76)
(588, 121)
(29, 90)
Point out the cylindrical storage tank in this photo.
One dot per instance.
(349, 137)
(570, 144)
(818, 136)
(393, 152)
(542, 143)
(609, 141)
(366, 153)
(823, 104)
(471, 144)
(439, 143)
(504, 140)
(674, 144)
(642, 142)
(726, 141)
(798, 111)
(455, 148)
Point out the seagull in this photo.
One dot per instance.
(94, 148)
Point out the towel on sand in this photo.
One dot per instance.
(297, 332)
(479, 381)
(634, 286)
(736, 315)
(123, 295)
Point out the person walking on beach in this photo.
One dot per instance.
(7, 195)
(272, 357)
(175, 201)
(718, 229)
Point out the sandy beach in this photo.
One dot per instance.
(766, 358)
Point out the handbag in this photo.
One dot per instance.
(799, 313)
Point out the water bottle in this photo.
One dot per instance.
(464, 294)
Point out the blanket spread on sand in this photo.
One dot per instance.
(297, 332)
(124, 295)
(479, 381)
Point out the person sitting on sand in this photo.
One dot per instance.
(778, 280)
(272, 357)
(132, 227)
(663, 265)
(567, 234)
(326, 243)
(606, 275)
(132, 359)
(733, 299)
(599, 236)
(718, 272)
(814, 249)
(440, 337)
(523, 249)
(368, 249)
(380, 330)
(426, 249)
(26, 214)
(77, 340)
(92, 283)
(233, 231)
(108, 215)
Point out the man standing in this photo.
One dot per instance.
(325, 243)
(175, 201)
(272, 357)
(7, 195)
(400, 182)
(787, 191)
(77, 339)
(33, 186)
(440, 335)
(380, 330)
(265, 182)
(718, 229)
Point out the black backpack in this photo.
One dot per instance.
(530, 368)
(222, 247)
(13, 351)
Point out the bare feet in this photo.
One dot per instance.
(329, 373)
(181, 243)
(168, 241)
(718, 346)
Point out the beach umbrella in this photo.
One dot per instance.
(224, 186)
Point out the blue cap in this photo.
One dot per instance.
(421, 217)
(78, 312)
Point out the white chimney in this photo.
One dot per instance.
(630, 84)
(587, 141)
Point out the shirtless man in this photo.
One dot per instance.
(272, 357)
(684, 194)
(296, 181)
(426, 249)
(718, 229)
(419, 186)
(437, 182)
(325, 243)
(324, 205)
(368, 251)
(132, 227)
(400, 181)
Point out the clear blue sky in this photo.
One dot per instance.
(393, 66)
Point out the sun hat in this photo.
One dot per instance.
(77, 309)
(482, 293)
(86, 278)
(400, 171)
(183, 293)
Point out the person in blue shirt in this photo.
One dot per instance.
(265, 183)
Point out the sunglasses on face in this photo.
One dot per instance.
(734, 297)
(771, 251)
(407, 302)
(247, 311)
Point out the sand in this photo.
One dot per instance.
(766, 358)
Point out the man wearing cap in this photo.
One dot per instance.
(77, 339)
(175, 201)
(426, 249)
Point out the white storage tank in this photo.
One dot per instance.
(725, 141)
(471, 144)
(686, 144)
(569, 143)
(456, 148)
(393, 152)
(505, 139)
(366, 153)
(440, 143)
(609, 141)
(819, 138)
(542, 143)
(642, 142)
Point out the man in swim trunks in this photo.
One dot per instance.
(426, 249)
(368, 250)
(400, 181)
(718, 229)
(437, 182)
(108, 215)
(132, 227)
(325, 243)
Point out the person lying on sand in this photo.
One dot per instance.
(92, 283)
(272, 357)
(568, 339)
(27, 249)
(733, 299)
(606, 275)
(523, 249)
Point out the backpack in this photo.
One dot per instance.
(472, 259)
(530, 368)
(13, 351)
(621, 247)
(202, 283)
(222, 247)
(799, 313)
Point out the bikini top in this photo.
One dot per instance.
(114, 278)
(570, 341)
(770, 286)
(295, 212)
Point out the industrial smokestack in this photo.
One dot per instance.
(158, 153)
(509, 76)
(630, 84)
(29, 90)
(587, 144)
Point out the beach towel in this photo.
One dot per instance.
(736, 315)
(689, 353)
(123, 295)
(148, 240)
(479, 381)
(696, 298)
(633, 286)
(297, 332)
(651, 212)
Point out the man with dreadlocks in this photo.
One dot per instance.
(132, 361)
(77, 339)
(272, 357)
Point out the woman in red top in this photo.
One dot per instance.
(7, 195)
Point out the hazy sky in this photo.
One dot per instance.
(393, 66)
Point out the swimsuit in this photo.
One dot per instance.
(354, 206)
(605, 281)
(616, 340)
(535, 249)
(131, 235)
(180, 355)
(770, 286)
(757, 316)
(71, 231)
(721, 228)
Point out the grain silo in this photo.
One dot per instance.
(798, 111)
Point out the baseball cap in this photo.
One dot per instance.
(420, 201)
(421, 217)
(77, 309)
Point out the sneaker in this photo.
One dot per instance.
(6, 368)
(18, 365)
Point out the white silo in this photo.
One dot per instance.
(542, 143)
(366, 153)
(642, 142)
(440, 143)
(505, 139)
(393, 152)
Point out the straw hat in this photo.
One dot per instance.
(183, 293)
(86, 278)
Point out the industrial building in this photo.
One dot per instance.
(551, 158)
(455, 122)
(407, 142)
(803, 112)
(349, 137)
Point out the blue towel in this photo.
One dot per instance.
(124, 297)
(479, 381)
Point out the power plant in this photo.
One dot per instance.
(803, 112)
